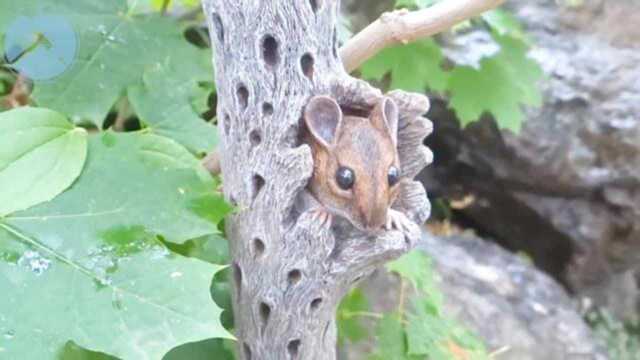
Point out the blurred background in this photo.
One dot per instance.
(535, 228)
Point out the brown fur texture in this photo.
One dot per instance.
(365, 145)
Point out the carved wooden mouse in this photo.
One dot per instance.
(356, 171)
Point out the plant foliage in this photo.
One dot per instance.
(93, 223)
(500, 85)
(417, 328)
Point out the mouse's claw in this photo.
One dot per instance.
(397, 220)
(322, 217)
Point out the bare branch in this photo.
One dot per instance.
(403, 27)
(211, 162)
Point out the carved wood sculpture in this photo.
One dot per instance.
(290, 273)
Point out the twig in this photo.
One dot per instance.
(19, 95)
(401, 300)
(211, 162)
(123, 114)
(403, 27)
(351, 314)
(165, 6)
(494, 354)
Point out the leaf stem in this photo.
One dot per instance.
(351, 314)
(123, 114)
(402, 299)
(165, 6)
(40, 39)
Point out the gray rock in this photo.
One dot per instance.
(566, 189)
(517, 310)
(507, 302)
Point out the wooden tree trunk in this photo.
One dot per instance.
(290, 273)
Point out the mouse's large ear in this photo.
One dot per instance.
(385, 118)
(323, 118)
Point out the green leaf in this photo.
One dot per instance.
(413, 67)
(504, 23)
(41, 154)
(147, 6)
(175, 86)
(132, 183)
(71, 351)
(501, 85)
(435, 337)
(110, 284)
(414, 4)
(416, 267)
(200, 97)
(212, 349)
(116, 47)
(428, 333)
(350, 328)
(212, 248)
(391, 338)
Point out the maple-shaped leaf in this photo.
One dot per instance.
(413, 67)
(116, 47)
(350, 328)
(501, 85)
(504, 23)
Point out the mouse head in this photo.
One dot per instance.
(356, 167)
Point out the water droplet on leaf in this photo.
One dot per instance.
(35, 262)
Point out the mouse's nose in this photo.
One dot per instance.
(374, 220)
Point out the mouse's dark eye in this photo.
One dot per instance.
(345, 178)
(393, 176)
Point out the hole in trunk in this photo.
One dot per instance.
(294, 276)
(335, 43)
(267, 109)
(226, 123)
(293, 348)
(258, 247)
(255, 137)
(247, 351)
(315, 304)
(315, 4)
(237, 277)
(243, 96)
(217, 24)
(265, 311)
(257, 183)
(270, 50)
(306, 62)
(292, 136)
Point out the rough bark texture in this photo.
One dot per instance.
(289, 272)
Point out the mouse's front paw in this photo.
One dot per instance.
(398, 220)
(322, 217)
